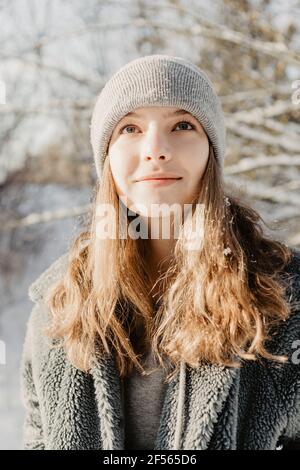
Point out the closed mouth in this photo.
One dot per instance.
(160, 179)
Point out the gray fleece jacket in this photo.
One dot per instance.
(211, 407)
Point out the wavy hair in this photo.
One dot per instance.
(219, 302)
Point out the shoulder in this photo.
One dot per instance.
(289, 330)
(39, 287)
(284, 338)
(36, 342)
(291, 274)
(274, 381)
(288, 343)
(291, 277)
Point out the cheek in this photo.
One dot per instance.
(195, 161)
(121, 169)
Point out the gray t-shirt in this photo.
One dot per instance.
(143, 397)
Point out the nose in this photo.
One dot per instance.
(155, 146)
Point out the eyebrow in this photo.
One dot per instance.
(178, 112)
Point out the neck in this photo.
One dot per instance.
(159, 255)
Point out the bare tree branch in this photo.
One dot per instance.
(248, 164)
(256, 114)
(255, 94)
(46, 216)
(263, 137)
(87, 80)
(51, 105)
(218, 31)
(259, 190)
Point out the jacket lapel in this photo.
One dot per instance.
(209, 387)
(108, 395)
(206, 390)
(165, 437)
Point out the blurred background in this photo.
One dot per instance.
(55, 57)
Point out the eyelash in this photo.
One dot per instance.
(180, 122)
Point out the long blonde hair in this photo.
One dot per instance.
(219, 303)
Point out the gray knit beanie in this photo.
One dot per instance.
(157, 80)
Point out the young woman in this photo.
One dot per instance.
(188, 339)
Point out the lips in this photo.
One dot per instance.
(159, 176)
(159, 179)
(159, 182)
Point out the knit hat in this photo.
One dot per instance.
(157, 80)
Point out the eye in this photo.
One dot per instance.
(125, 127)
(186, 122)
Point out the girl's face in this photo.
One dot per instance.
(158, 140)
